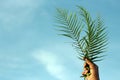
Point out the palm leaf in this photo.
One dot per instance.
(93, 43)
(69, 24)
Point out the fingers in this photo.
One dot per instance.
(85, 72)
(86, 69)
(85, 64)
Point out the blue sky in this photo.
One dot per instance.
(30, 48)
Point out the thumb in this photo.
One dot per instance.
(91, 64)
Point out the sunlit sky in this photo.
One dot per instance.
(30, 48)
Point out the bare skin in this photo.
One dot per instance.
(94, 73)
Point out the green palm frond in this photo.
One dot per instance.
(91, 42)
(69, 24)
(96, 39)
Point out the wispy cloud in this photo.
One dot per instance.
(52, 64)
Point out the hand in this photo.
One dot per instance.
(93, 70)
